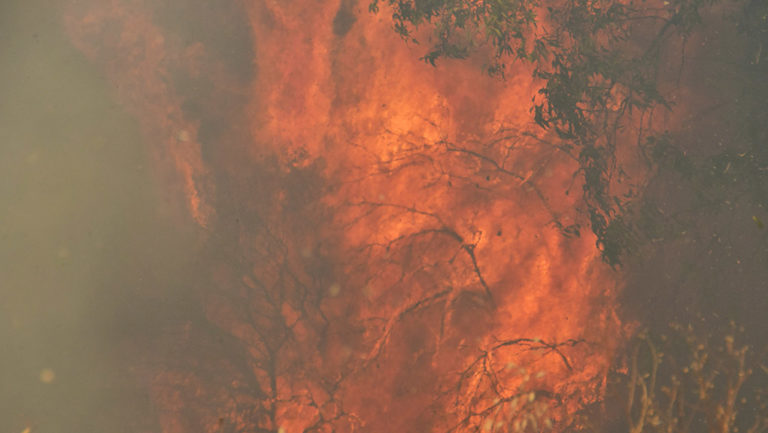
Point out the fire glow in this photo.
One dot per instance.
(379, 233)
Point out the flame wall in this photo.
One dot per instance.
(379, 253)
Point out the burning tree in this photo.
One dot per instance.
(382, 244)
(600, 70)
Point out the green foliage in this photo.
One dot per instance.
(460, 24)
(592, 74)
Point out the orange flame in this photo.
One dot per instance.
(393, 264)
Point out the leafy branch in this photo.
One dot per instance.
(593, 74)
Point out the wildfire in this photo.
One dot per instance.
(391, 259)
